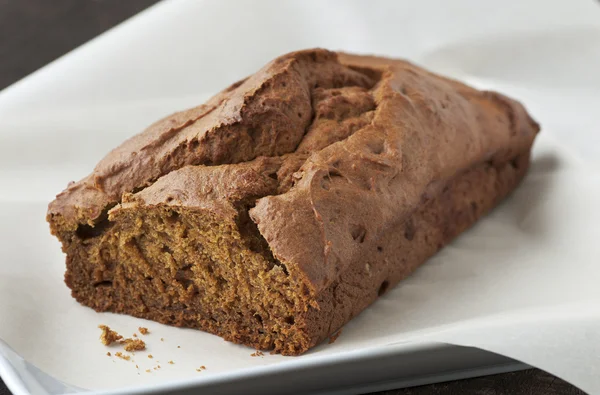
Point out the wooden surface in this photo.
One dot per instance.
(35, 32)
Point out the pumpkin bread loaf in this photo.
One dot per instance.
(289, 202)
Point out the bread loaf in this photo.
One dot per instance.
(289, 202)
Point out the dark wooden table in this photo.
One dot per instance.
(35, 32)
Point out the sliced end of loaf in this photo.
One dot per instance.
(193, 260)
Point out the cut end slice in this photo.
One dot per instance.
(194, 265)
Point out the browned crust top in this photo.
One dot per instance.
(347, 146)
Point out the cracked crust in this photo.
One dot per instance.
(285, 205)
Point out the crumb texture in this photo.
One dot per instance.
(108, 336)
(285, 205)
(134, 345)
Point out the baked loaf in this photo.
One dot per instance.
(285, 205)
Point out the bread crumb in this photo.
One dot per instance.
(134, 345)
(122, 356)
(258, 353)
(162, 340)
(148, 370)
(108, 353)
(198, 370)
(158, 366)
(137, 367)
(178, 346)
(143, 331)
(135, 335)
(108, 336)
(334, 337)
(150, 356)
(203, 367)
(171, 362)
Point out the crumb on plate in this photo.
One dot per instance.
(134, 345)
(122, 356)
(108, 336)
(143, 331)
